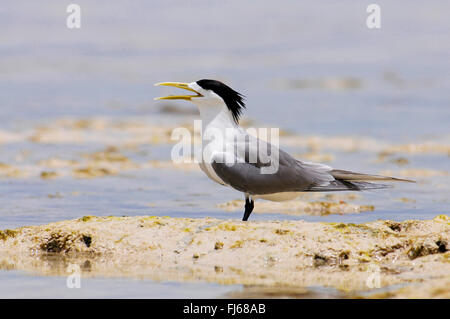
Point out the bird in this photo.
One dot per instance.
(234, 157)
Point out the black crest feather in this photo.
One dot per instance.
(234, 100)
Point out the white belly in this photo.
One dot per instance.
(278, 197)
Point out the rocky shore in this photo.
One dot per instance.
(381, 259)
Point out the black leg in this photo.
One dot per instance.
(249, 204)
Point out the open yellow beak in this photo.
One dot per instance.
(178, 97)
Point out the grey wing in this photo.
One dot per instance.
(291, 175)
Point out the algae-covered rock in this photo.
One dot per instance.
(351, 258)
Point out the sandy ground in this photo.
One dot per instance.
(376, 259)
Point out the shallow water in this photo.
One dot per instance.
(311, 69)
(24, 285)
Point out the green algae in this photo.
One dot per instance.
(227, 227)
(87, 218)
(282, 231)
(237, 244)
(8, 233)
(48, 174)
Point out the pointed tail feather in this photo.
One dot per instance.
(352, 176)
(339, 185)
(351, 181)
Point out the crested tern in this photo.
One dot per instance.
(220, 109)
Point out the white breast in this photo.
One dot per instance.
(209, 171)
